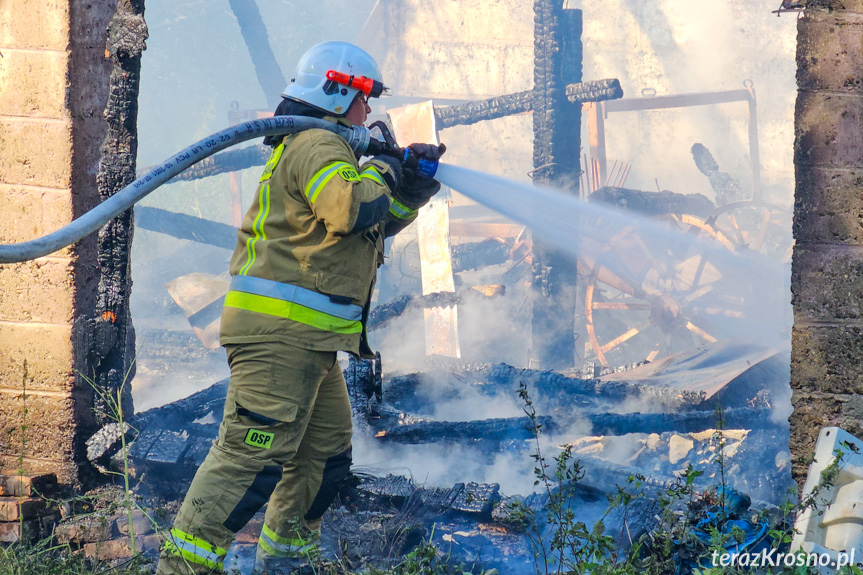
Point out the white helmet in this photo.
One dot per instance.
(311, 85)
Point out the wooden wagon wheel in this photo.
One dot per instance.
(643, 302)
(754, 226)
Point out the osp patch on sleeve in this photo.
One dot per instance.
(349, 174)
(259, 439)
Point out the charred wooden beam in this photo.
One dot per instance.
(164, 438)
(476, 255)
(254, 33)
(727, 188)
(654, 203)
(114, 340)
(689, 422)
(594, 91)
(178, 414)
(447, 117)
(548, 388)
(494, 430)
(482, 110)
(522, 102)
(186, 227)
(521, 428)
(467, 498)
(556, 162)
(383, 314)
(363, 378)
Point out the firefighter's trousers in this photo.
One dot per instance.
(287, 417)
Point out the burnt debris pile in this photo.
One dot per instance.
(654, 418)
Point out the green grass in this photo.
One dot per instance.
(42, 559)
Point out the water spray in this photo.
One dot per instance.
(586, 229)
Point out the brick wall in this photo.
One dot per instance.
(827, 274)
(53, 88)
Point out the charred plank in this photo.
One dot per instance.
(114, 336)
(552, 391)
(727, 188)
(471, 256)
(595, 91)
(254, 33)
(522, 102)
(556, 152)
(363, 378)
(689, 422)
(482, 110)
(384, 314)
(654, 203)
(180, 414)
(186, 227)
(504, 429)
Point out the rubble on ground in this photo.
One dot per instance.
(648, 420)
(27, 512)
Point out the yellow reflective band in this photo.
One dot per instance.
(258, 232)
(272, 162)
(192, 557)
(195, 550)
(269, 550)
(400, 210)
(292, 311)
(373, 174)
(324, 175)
(284, 540)
(284, 546)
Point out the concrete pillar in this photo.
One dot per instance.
(53, 88)
(827, 270)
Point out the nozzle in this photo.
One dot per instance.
(422, 166)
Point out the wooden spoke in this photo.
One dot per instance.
(640, 241)
(700, 332)
(737, 233)
(696, 222)
(724, 312)
(696, 280)
(622, 338)
(727, 243)
(703, 290)
(619, 235)
(610, 278)
(663, 346)
(762, 231)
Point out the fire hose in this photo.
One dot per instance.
(358, 137)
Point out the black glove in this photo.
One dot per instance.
(428, 151)
(418, 189)
(395, 176)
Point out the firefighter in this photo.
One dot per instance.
(302, 276)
